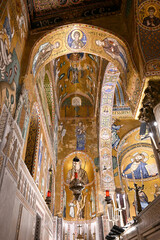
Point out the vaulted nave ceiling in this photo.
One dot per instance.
(77, 80)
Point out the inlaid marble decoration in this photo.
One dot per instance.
(107, 97)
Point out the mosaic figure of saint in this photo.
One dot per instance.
(77, 43)
(115, 137)
(62, 132)
(151, 20)
(143, 199)
(81, 136)
(114, 49)
(7, 27)
(44, 52)
(76, 167)
(139, 168)
(77, 39)
(74, 70)
(5, 57)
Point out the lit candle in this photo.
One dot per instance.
(107, 193)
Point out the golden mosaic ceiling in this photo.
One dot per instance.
(78, 77)
(76, 84)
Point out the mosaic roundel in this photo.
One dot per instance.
(105, 153)
(106, 109)
(76, 39)
(107, 176)
(109, 87)
(149, 15)
(105, 133)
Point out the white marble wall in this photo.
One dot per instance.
(20, 199)
(7, 199)
(26, 225)
(148, 224)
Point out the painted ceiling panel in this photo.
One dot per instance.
(44, 13)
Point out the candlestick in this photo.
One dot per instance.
(113, 201)
(118, 201)
(153, 140)
(124, 201)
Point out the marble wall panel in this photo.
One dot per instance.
(7, 198)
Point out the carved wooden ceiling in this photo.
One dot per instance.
(46, 13)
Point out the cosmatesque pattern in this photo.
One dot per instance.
(107, 97)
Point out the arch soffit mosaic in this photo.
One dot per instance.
(91, 40)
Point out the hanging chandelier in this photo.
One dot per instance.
(76, 186)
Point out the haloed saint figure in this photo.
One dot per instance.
(76, 39)
(151, 20)
(138, 168)
(76, 167)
